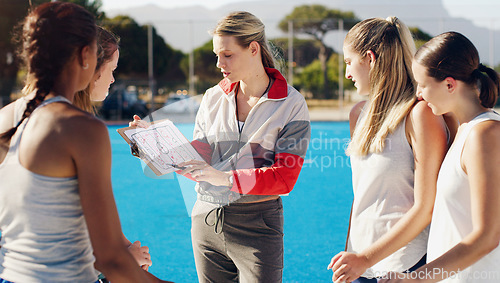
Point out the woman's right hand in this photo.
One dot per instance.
(138, 122)
(347, 266)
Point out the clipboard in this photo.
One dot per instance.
(161, 146)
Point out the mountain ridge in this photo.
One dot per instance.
(173, 24)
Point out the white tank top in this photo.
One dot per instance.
(452, 217)
(383, 194)
(44, 234)
(19, 107)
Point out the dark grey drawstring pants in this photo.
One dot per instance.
(246, 247)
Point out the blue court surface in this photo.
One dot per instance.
(156, 211)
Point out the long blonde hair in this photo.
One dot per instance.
(392, 87)
(246, 28)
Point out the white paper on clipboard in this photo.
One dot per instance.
(161, 145)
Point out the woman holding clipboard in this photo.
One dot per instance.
(252, 130)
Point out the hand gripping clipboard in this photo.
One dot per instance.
(161, 146)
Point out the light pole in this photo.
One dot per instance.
(341, 67)
(290, 52)
(191, 60)
(151, 78)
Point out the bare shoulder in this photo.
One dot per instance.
(422, 125)
(73, 124)
(421, 116)
(84, 125)
(354, 114)
(481, 150)
(421, 111)
(485, 135)
(87, 136)
(356, 111)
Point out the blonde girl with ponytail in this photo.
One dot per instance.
(396, 148)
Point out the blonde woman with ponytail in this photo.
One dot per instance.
(252, 131)
(397, 146)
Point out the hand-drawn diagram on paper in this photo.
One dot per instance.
(162, 144)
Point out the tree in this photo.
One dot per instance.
(317, 21)
(497, 68)
(205, 68)
(134, 52)
(419, 36)
(93, 6)
(311, 80)
(11, 13)
(305, 51)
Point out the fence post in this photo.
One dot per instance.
(150, 67)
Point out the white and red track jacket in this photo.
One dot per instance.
(267, 155)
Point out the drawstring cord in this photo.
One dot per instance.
(219, 219)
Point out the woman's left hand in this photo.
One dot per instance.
(141, 255)
(201, 171)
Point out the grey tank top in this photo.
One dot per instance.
(44, 234)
